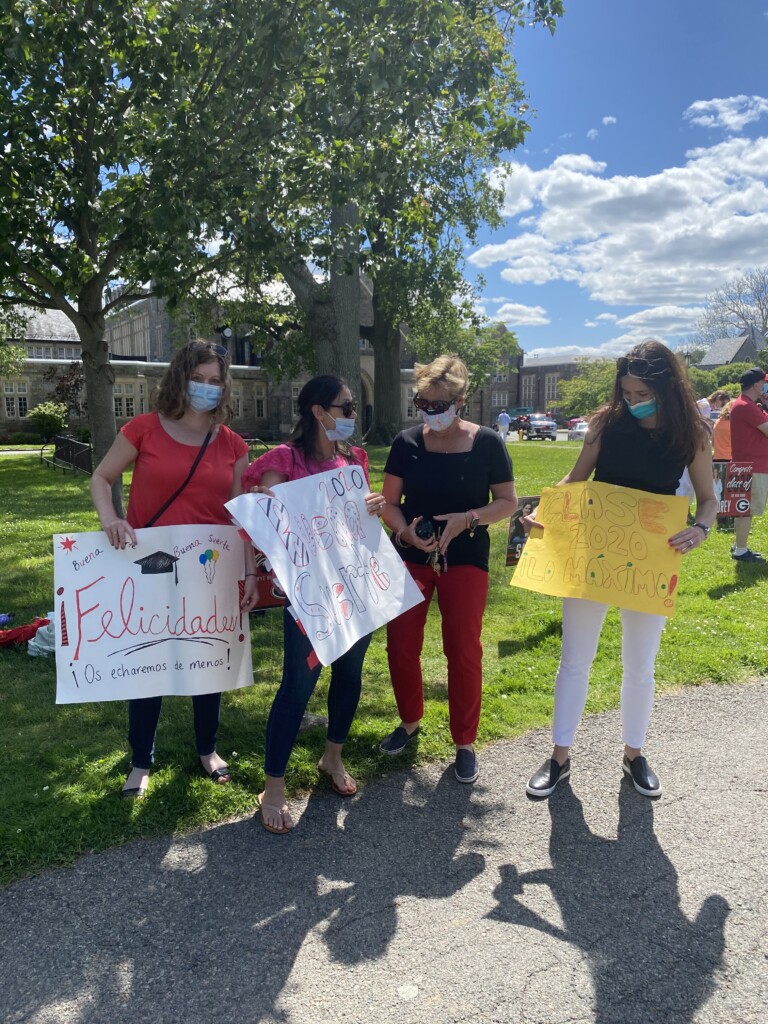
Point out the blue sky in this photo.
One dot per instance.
(643, 185)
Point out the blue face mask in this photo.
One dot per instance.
(203, 397)
(342, 431)
(643, 410)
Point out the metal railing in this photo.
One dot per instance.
(68, 454)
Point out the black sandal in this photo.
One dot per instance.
(219, 773)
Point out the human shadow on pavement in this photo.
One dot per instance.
(207, 930)
(620, 906)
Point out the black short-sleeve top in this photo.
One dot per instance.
(435, 483)
(631, 456)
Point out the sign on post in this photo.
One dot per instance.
(161, 618)
(606, 544)
(335, 563)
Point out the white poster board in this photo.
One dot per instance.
(335, 563)
(161, 618)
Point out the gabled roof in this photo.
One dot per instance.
(729, 350)
(50, 325)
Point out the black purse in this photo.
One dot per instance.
(178, 490)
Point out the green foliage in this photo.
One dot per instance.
(12, 325)
(591, 386)
(50, 418)
(24, 437)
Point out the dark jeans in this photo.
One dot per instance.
(298, 684)
(143, 716)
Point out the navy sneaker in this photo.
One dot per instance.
(398, 740)
(748, 556)
(543, 782)
(644, 780)
(466, 767)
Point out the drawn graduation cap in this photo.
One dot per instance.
(159, 562)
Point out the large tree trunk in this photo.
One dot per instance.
(387, 407)
(99, 381)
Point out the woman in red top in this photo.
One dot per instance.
(192, 402)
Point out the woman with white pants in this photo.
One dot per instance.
(649, 432)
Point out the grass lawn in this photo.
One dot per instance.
(61, 767)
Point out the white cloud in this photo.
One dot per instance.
(731, 114)
(663, 240)
(610, 317)
(517, 315)
(592, 133)
(610, 350)
(610, 119)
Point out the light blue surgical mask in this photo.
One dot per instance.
(643, 410)
(203, 397)
(342, 431)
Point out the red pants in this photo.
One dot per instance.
(461, 596)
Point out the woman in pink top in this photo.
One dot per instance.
(318, 443)
(192, 403)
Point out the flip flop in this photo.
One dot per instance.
(136, 793)
(282, 811)
(334, 784)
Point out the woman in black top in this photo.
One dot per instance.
(437, 482)
(644, 438)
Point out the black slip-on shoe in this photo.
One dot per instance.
(466, 767)
(643, 778)
(543, 782)
(398, 740)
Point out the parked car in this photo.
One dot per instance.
(540, 426)
(573, 421)
(578, 431)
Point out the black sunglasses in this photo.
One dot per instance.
(218, 349)
(347, 407)
(436, 407)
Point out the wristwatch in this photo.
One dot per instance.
(701, 526)
(474, 521)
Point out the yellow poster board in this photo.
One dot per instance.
(606, 544)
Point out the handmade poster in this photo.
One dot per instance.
(606, 544)
(336, 565)
(518, 533)
(733, 488)
(161, 618)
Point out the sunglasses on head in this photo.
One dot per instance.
(425, 405)
(218, 349)
(347, 407)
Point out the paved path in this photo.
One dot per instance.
(425, 901)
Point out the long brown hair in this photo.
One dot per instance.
(171, 398)
(678, 418)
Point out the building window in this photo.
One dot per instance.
(127, 389)
(8, 388)
(10, 408)
(118, 407)
(235, 402)
(500, 378)
(499, 399)
(410, 412)
(141, 406)
(48, 352)
(129, 409)
(261, 406)
(550, 387)
(61, 352)
(528, 389)
(38, 351)
(117, 389)
(22, 406)
(295, 389)
(21, 388)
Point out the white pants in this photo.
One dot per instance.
(641, 636)
(503, 431)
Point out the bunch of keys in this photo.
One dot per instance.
(426, 531)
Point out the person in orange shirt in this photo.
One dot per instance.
(721, 434)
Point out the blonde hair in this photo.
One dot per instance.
(725, 412)
(447, 372)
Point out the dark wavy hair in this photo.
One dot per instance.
(678, 417)
(319, 391)
(171, 396)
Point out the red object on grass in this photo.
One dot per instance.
(20, 634)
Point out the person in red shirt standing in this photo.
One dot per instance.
(186, 429)
(749, 443)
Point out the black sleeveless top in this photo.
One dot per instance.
(631, 456)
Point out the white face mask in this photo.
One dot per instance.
(439, 420)
(342, 431)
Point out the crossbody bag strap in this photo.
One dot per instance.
(178, 490)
